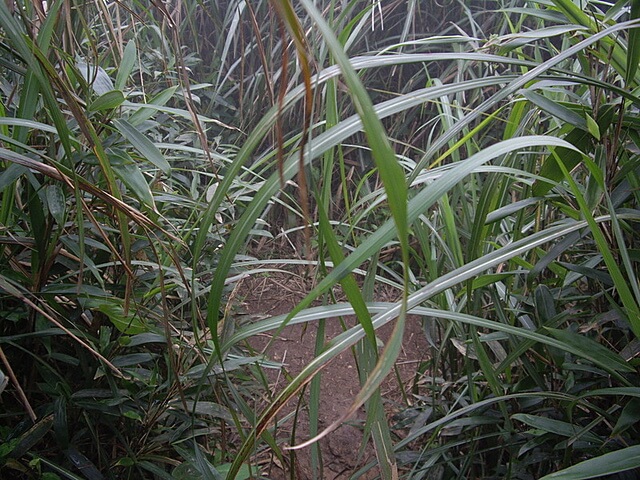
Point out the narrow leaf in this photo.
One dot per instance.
(607, 464)
(630, 416)
(32, 436)
(133, 178)
(601, 354)
(126, 323)
(141, 143)
(633, 49)
(556, 427)
(556, 109)
(129, 58)
(592, 127)
(56, 202)
(107, 101)
(96, 77)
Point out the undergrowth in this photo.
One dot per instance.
(480, 157)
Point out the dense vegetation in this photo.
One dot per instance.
(481, 157)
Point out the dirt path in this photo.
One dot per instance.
(342, 454)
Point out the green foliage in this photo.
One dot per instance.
(494, 146)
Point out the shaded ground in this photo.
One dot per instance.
(342, 455)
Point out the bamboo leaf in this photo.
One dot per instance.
(633, 47)
(144, 146)
(592, 127)
(630, 416)
(107, 101)
(129, 59)
(56, 202)
(125, 323)
(144, 112)
(557, 427)
(83, 464)
(545, 304)
(133, 178)
(132, 359)
(485, 280)
(556, 109)
(607, 464)
(32, 436)
(599, 353)
(96, 77)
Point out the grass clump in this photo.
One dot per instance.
(480, 159)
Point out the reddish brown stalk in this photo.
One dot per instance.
(281, 94)
(262, 54)
(16, 384)
(288, 16)
(302, 178)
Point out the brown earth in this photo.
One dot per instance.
(342, 451)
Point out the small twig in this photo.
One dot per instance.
(82, 343)
(14, 380)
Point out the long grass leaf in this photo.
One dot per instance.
(141, 143)
(633, 47)
(632, 309)
(604, 465)
(514, 86)
(417, 205)
(129, 58)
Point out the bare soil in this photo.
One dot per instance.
(342, 451)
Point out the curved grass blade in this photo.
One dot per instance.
(422, 201)
(141, 143)
(631, 307)
(514, 86)
(604, 465)
(633, 48)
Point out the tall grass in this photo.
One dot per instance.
(143, 148)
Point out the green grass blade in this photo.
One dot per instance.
(145, 147)
(556, 109)
(129, 59)
(632, 309)
(513, 87)
(421, 202)
(633, 48)
(604, 465)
